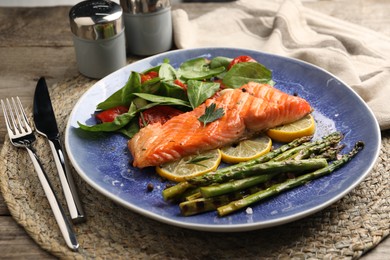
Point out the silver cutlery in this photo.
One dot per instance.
(22, 135)
(46, 125)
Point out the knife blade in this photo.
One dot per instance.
(46, 125)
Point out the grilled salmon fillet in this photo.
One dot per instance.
(250, 109)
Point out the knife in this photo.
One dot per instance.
(46, 125)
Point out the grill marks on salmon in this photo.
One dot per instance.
(248, 110)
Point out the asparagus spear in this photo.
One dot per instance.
(289, 184)
(328, 140)
(175, 191)
(236, 185)
(318, 148)
(330, 154)
(244, 171)
(194, 196)
(200, 205)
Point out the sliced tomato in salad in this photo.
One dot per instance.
(180, 83)
(243, 58)
(110, 114)
(148, 76)
(157, 114)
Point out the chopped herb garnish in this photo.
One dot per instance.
(198, 159)
(211, 114)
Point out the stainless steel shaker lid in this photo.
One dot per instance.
(144, 6)
(96, 19)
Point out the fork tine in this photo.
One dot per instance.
(6, 117)
(15, 117)
(12, 111)
(21, 115)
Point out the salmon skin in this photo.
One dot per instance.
(248, 110)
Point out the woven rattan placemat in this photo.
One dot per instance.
(347, 229)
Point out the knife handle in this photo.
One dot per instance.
(62, 221)
(72, 199)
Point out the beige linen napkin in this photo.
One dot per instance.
(358, 56)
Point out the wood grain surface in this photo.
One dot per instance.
(37, 42)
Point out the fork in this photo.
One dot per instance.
(22, 135)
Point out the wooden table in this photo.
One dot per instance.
(37, 42)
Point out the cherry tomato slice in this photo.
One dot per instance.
(181, 84)
(157, 114)
(243, 58)
(148, 76)
(110, 114)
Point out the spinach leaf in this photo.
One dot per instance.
(112, 101)
(198, 69)
(163, 85)
(170, 89)
(151, 86)
(220, 61)
(119, 122)
(130, 129)
(163, 100)
(167, 72)
(123, 96)
(132, 85)
(199, 91)
(244, 72)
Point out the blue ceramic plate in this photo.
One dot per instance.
(103, 160)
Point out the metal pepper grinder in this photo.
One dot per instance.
(98, 37)
(148, 26)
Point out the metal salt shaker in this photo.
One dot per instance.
(148, 26)
(98, 37)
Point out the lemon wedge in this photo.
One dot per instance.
(247, 149)
(190, 166)
(305, 126)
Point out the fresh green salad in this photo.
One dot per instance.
(161, 92)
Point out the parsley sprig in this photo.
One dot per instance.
(199, 159)
(211, 114)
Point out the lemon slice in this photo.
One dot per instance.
(247, 149)
(190, 166)
(286, 133)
